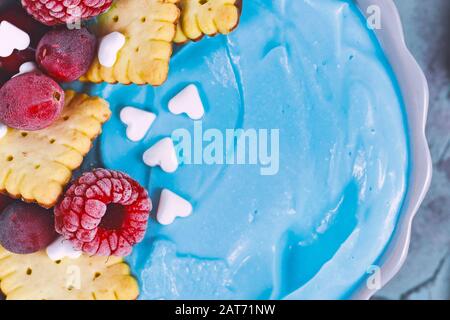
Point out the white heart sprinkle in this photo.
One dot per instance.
(162, 154)
(188, 101)
(12, 38)
(61, 249)
(172, 206)
(137, 121)
(109, 47)
(3, 130)
(26, 67)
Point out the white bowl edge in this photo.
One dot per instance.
(414, 89)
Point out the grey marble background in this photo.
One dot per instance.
(426, 272)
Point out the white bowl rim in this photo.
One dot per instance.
(415, 93)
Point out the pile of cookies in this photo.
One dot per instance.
(150, 28)
(63, 239)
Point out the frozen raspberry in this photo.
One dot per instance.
(65, 11)
(104, 213)
(26, 228)
(66, 54)
(30, 102)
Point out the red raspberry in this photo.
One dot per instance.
(53, 12)
(88, 214)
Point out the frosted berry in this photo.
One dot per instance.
(65, 11)
(65, 54)
(104, 213)
(26, 228)
(30, 102)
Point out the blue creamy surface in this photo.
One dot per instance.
(312, 70)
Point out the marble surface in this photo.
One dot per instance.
(426, 272)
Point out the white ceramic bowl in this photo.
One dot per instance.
(414, 89)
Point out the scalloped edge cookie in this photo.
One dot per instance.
(210, 18)
(36, 165)
(149, 27)
(36, 277)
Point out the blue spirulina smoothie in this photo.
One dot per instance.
(317, 220)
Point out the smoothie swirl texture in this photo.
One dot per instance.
(314, 71)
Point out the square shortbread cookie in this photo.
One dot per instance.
(36, 165)
(36, 277)
(149, 28)
(209, 17)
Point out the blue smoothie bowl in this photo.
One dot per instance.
(305, 172)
